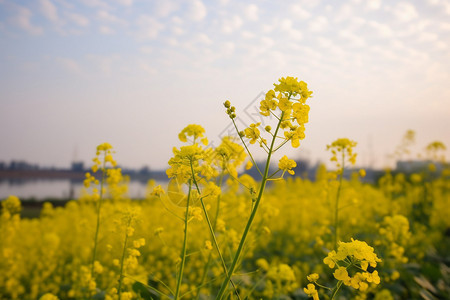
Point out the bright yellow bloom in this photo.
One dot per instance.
(158, 191)
(287, 164)
(312, 277)
(12, 205)
(362, 173)
(195, 131)
(341, 274)
(311, 291)
(48, 296)
(329, 260)
(252, 132)
(208, 245)
(291, 85)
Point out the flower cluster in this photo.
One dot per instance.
(344, 147)
(354, 258)
(287, 164)
(111, 176)
(289, 96)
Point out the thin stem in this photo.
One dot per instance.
(211, 230)
(151, 288)
(229, 174)
(123, 258)
(183, 251)
(336, 289)
(336, 208)
(250, 220)
(245, 146)
(208, 262)
(99, 205)
(282, 144)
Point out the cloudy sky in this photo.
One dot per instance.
(74, 74)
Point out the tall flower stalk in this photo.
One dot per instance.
(105, 151)
(287, 103)
(342, 147)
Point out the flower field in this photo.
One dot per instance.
(217, 233)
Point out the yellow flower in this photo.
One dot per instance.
(252, 132)
(208, 245)
(329, 260)
(158, 191)
(296, 134)
(193, 130)
(139, 243)
(312, 277)
(341, 274)
(48, 296)
(362, 173)
(311, 291)
(287, 164)
(12, 205)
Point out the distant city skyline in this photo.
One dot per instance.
(134, 73)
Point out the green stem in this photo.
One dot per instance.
(99, 205)
(211, 230)
(208, 262)
(245, 146)
(336, 208)
(183, 251)
(336, 289)
(122, 259)
(250, 220)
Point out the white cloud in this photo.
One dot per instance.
(251, 12)
(231, 24)
(106, 30)
(286, 25)
(267, 42)
(299, 12)
(441, 45)
(23, 20)
(105, 64)
(125, 2)
(353, 39)
(318, 24)
(110, 18)
(197, 10)
(149, 27)
(49, 10)
(147, 68)
(247, 34)
(146, 49)
(382, 29)
(163, 8)
(373, 4)
(267, 28)
(78, 19)
(344, 13)
(445, 4)
(95, 3)
(69, 64)
(203, 39)
(405, 12)
(428, 37)
(177, 30)
(228, 48)
(445, 26)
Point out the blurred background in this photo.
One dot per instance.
(74, 74)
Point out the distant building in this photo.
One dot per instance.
(22, 166)
(77, 166)
(411, 166)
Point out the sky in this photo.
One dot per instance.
(75, 74)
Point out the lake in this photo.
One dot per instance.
(64, 189)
